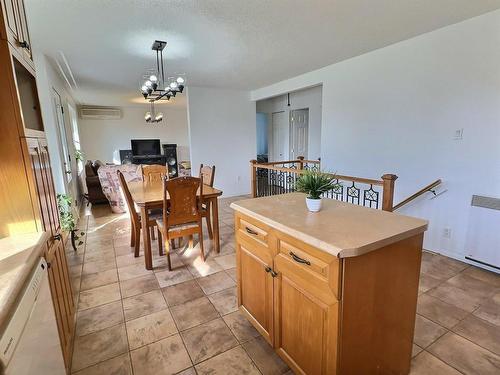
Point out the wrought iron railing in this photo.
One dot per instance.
(280, 177)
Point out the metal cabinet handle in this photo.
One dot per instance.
(251, 231)
(24, 44)
(57, 237)
(299, 259)
(48, 265)
(270, 270)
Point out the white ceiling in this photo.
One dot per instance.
(241, 44)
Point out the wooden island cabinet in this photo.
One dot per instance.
(333, 292)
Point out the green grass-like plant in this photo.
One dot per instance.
(314, 183)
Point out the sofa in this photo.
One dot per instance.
(94, 188)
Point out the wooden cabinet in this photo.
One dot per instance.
(15, 28)
(328, 315)
(62, 297)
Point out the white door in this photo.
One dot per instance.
(299, 129)
(280, 137)
(67, 169)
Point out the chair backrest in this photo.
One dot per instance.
(128, 197)
(207, 174)
(154, 173)
(181, 204)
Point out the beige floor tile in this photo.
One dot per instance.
(167, 356)
(226, 261)
(104, 255)
(124, 250)
(440, 267)
(150, 328)
(427, 364)
(215, 283)
(99, 346)
(483, 275)
(139, 285)
(240, 326)
(133, 271)
(208, 339)
(480, 332)
(426, 331)
(263, 355)
(115, 366)
(225, 301)
(465, 356)
(97, 318)
(440, 312)
(490, 310)
(99, 296)
(176, 276)
(200, 268)
(74, 259)
(128, 260)
(182, 292)
(232, 362)
(194, 312)
(143, 304)
(98, 266)
(189, 371)
(428, 282)
(232, 273)
(93, 280)
(415, 350)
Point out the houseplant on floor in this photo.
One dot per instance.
(67, 218)
(314, 184)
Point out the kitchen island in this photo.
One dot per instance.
(334, 292)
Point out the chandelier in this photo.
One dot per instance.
(153, 117)
(157, 86)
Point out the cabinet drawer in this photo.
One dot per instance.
(249, 228)
(304, 259)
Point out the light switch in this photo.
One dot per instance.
(459, 134)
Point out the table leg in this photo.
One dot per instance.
(215, 223)
(148, 259)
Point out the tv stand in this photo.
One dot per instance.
(149, 159)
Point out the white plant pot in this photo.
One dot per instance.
(313, 205)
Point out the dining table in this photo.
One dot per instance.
(148, 195)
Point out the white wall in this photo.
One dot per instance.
(308, 98)
(47, 80)
(101, 139)
(395, 110)
(222, 132)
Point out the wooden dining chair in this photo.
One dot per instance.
(135, 219)
(154, 173)
(207, 175)
(181, 212)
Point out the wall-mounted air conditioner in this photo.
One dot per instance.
(100, 113)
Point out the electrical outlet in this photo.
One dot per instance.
(458, 135)
(447, 232)
(239, 179)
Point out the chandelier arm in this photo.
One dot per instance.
(162, 72)
(157, 64)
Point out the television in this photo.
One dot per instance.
(145, 147)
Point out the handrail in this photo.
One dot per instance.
(422, 191)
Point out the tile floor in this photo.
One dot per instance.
(134, 321)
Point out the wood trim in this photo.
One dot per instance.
(422, 191)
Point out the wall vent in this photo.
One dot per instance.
(100, 113)
(485, 202)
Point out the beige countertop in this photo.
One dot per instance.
(341, 229)
(18, 256)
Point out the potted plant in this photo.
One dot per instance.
(314, 184)
(68, 222)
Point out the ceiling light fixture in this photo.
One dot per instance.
(151, 116)
(157, 87)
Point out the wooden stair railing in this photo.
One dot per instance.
(273, 178)
(426, 189)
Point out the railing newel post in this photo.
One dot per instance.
(253, 178)
(388, 191)
(301, 162)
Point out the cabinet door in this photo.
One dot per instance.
(23, 35)
(306, 321)
(10, 12)
(255, 287)
(62, 296)
(47, 175)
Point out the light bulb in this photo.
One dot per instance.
(148, 84)
(159, 116)
(144, 88)
(173, 85)
(153, 78)
(180, 80)
(147, 116)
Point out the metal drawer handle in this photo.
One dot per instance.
(251, 231)
(273, 273)
(299, 259)
(57, 237)
(24, 44)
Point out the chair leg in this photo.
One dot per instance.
(160, 245)
(167, 251)
(137, 241)
(191, 242)
(172, 243)
(209, 222)
(200, 236)
(132, 234)
(153, 236)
